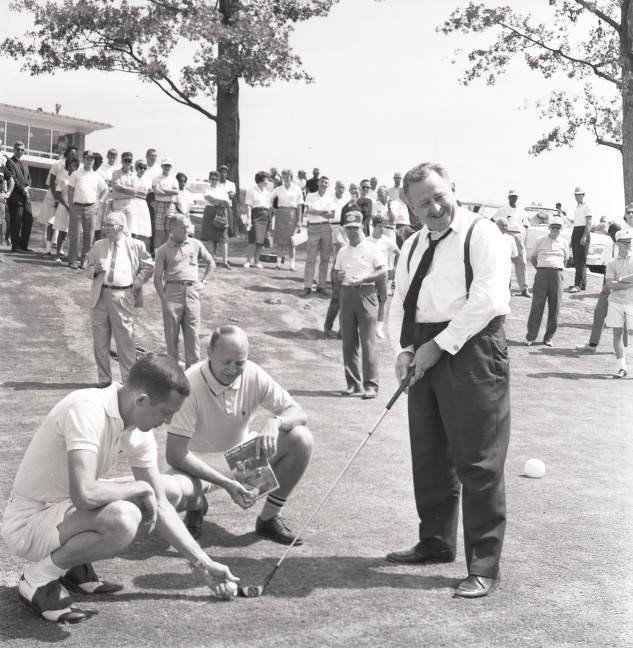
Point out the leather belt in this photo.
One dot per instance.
(183, 282)
(83, 204)
(117, 287)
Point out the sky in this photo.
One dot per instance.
(386, 96)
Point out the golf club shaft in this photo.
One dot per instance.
(317, 508)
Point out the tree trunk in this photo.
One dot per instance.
(626, 58)
(228, 130)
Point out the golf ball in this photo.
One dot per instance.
(534, 468)
(231, 589)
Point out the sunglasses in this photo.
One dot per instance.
(126, 160)
(365, 187)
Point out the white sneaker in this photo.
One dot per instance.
(247, 265)
(380, 333)
(259, 266)
(586, 348)
(292, 266)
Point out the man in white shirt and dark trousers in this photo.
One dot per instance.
(517, 227)
(447, 312)
(86, 190)
(580, 236)
(549, 258)
(359, 265)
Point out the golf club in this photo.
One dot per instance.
(253, 591)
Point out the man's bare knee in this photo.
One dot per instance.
(300, 441)
(119, 521)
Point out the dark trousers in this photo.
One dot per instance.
(334, 305)
(149, 199)
(459, 428)
(359, 311)
(21, 222)
(548, 287)
(580, 256)
(599, 315)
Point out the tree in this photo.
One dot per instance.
(232, 41)
(588, 41)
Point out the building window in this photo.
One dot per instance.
(40, 141)
(16, 132)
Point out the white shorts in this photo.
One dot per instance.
(29, 527)
(617, 313)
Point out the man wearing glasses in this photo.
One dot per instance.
(549, 258)
(19, 201)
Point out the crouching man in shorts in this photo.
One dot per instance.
(226, 391)
(619, 281)
(63, 515)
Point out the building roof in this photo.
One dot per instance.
(49, 120)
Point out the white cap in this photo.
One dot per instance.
(166, 161)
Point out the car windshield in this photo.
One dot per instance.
(198, 187)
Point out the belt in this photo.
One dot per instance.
(117, 287)
(549, 268)
(182, 282)
(363, 285)
(83, 204)
(321, 223)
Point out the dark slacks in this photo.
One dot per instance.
(580, 256)
(599, 315)
(21, 222)
(334, 305)
(459, 428)
(359, 311)
(548, 287)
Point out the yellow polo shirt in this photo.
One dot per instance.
(216, 417)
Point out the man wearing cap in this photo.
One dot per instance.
(118, 265)
(165, 189)
(549, 258)
(448, 313)
(619, 278)
(86, 190)
(359, 265)
(580, 236)
(321, 207)
(517, 227)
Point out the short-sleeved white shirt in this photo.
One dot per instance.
(164, 183)
(359, 260)
(616, 268)
(580, 215)
(387, 246)
(216, 417)
(326, 202)
(516, 217)
(257, 197)
(291, 197)
(228, 186)
(88, 185)
(86, 419)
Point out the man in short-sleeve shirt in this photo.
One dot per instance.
(226, 391)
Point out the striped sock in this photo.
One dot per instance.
(272, 507)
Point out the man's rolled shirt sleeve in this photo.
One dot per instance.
(488, 291)
(82, 427)
(273, 397)
(184, 421)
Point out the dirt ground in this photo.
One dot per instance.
(566, 575)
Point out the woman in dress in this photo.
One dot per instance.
(61, 216)
(215, 220)
(287, 200)
(139, 224)
(258, 205)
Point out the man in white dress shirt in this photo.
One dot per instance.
(447, 313)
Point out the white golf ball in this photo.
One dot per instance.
(534, 468)
(231, 589)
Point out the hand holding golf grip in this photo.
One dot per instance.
(403, 385)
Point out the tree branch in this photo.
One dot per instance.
(591, 6)
(559, 52)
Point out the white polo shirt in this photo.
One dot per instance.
(257, 197)
(88, 186)
(359, 260)
(86, 419)
(164, 183)
(580, 215)
(516, 217)
(216, 417)
(229, 187)
(326, 202)
(291, 197)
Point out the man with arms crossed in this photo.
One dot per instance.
(63, 515)
(459, 400)
(226, 390)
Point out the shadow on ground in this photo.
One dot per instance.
(571, 375)
(37, 386)
(305, 333)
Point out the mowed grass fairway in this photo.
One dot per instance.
(566, 570)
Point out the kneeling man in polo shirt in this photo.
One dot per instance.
(226, 391)
(63, 513)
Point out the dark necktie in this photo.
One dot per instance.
(411, 300)
(110, 278)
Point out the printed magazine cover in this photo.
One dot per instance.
(251, 472)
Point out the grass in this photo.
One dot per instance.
(566, 570)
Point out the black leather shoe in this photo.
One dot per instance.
(323, 291)
(83, 579)
(194, 519)
(51, 602)
(421, 554)
(476, 587)
(305, 292)
(370, 392)
(276, 530)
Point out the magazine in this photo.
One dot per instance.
(252, 473)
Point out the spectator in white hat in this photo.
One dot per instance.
(619, 278)
(165, 188)
(549, 258)
(580, 240)
(517, 227)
